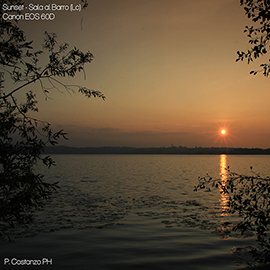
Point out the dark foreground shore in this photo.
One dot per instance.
(261, 267)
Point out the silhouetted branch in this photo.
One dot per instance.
(249, 197)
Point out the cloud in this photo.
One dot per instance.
(109, 136)
(104, 130)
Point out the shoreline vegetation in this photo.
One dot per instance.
(173, 150)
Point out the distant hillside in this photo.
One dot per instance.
(156, 150)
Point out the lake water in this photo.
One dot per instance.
(133, 212)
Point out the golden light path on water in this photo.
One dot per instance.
(223, 177)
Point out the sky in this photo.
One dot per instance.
(168, 71)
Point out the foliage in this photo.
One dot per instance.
(259, 34)
(21, 189)
(23, 137)
(249, 197)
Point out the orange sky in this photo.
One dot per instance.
(168, 70)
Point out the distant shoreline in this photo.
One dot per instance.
(155, 150)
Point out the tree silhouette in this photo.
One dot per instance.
(22, 136)
(249, 198)
(259, 34)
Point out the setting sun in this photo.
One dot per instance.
(223, 131)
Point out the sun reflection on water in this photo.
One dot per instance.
(223, 177)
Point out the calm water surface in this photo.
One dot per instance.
(134, 212)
